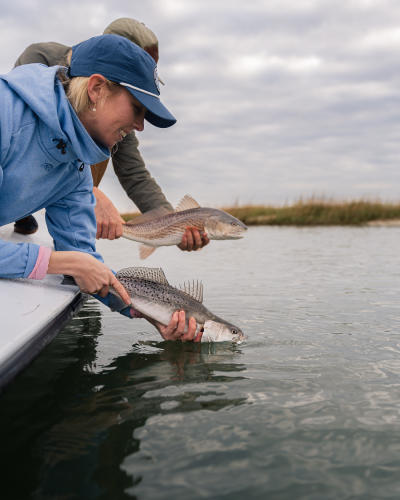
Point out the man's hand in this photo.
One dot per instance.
(176, 329)
(109, 221)
(193, 239)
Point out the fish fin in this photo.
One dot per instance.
(145, 251)
(155, 213)
(194, 289)
(155, 274)
(186, 203)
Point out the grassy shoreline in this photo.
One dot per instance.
(316, 213)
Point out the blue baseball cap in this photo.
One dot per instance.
(121, 61)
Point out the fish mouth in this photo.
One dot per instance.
(239, 233)
(239, 339)
(229, 236)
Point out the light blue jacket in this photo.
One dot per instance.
(45, 158)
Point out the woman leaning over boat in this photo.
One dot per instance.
(56, 122)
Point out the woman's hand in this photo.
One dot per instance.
(91, 275)
(109, 222)
(193, 239)
(176, 329)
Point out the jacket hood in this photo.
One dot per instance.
(38, 86)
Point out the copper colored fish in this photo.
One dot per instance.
(161, 227)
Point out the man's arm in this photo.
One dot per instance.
(143, 190)
(134, 177)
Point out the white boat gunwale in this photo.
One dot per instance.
(32, 312)
(27, 352)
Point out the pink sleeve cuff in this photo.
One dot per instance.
(42, 264)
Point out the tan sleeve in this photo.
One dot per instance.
(134, 177)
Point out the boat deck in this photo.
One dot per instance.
(31, 312)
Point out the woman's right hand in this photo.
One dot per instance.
(91, 275)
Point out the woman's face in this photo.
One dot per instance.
(117, 114)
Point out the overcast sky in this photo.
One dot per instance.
(275, 100)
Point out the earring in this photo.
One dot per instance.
(94, 108)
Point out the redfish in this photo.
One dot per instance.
(161, 227)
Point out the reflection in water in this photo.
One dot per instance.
(82, 420)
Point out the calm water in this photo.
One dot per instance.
(307, 408)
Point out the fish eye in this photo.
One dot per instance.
(233, 224)
(234, 331)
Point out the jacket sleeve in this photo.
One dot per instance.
(17, 260)
(72, 223)
(134, 177)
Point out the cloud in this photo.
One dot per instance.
(275, 100)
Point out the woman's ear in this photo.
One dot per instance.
(95, 88)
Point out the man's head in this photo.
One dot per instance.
(136, 32)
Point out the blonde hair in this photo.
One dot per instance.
(77, 93)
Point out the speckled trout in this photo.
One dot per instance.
(161, 227)
(155, 298)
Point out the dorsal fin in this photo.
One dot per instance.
(194, 289)
(186, 203)
(148, 216)
(155, 274)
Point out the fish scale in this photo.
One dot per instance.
(171, 225)
(168, 295)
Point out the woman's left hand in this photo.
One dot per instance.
(193, 239)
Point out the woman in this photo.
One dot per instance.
(59, 122)
(127, 161)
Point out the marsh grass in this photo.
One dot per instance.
(314, 212)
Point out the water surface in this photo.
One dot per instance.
(307, 408)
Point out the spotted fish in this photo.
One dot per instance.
(155, 298)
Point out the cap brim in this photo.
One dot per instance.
(156, 113)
